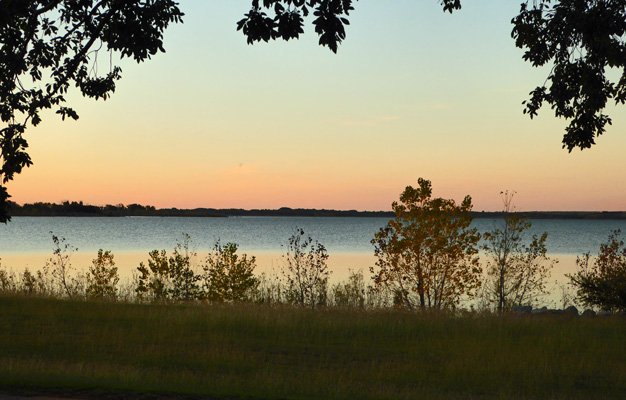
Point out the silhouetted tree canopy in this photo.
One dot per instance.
(50, 45)
(583, 40)
(284, 19)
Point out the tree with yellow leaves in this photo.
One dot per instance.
(427, 254)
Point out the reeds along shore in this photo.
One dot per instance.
(115, 349)
(223, 276)
(356, 291)
(61, 279)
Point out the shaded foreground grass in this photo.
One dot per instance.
(251, 351)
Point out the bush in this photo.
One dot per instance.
(168, 278)
(228, 277)
(603, 283)
(102, 277)
(305, 271)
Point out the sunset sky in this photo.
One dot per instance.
(412, 92)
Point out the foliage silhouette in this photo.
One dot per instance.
(427, 254)
(580, 38)
(284, 19)
(603, 284)
(49, 46)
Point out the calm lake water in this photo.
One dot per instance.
(27, 235)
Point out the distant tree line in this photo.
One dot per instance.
(73, 208)
(67, 208)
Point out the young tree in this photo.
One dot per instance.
(517, 272)
(102, 277)
(427, 254)
(228, 277)
(305, 270)
(61, 268)
(48, 46)
(603, 284)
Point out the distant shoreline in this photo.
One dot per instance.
(78, 209)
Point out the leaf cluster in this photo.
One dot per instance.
(583, 40)
(284, 19)
(225, 277)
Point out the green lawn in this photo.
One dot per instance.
(251, 351)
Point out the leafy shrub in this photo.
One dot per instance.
(603, 283)
(102, 278)
(228, 277)
(169, 278)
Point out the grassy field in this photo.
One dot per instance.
(61, 346)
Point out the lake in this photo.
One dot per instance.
(26, 235)
(26, 241)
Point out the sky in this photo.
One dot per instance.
(412, 92)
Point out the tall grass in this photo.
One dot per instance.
(292, 353)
